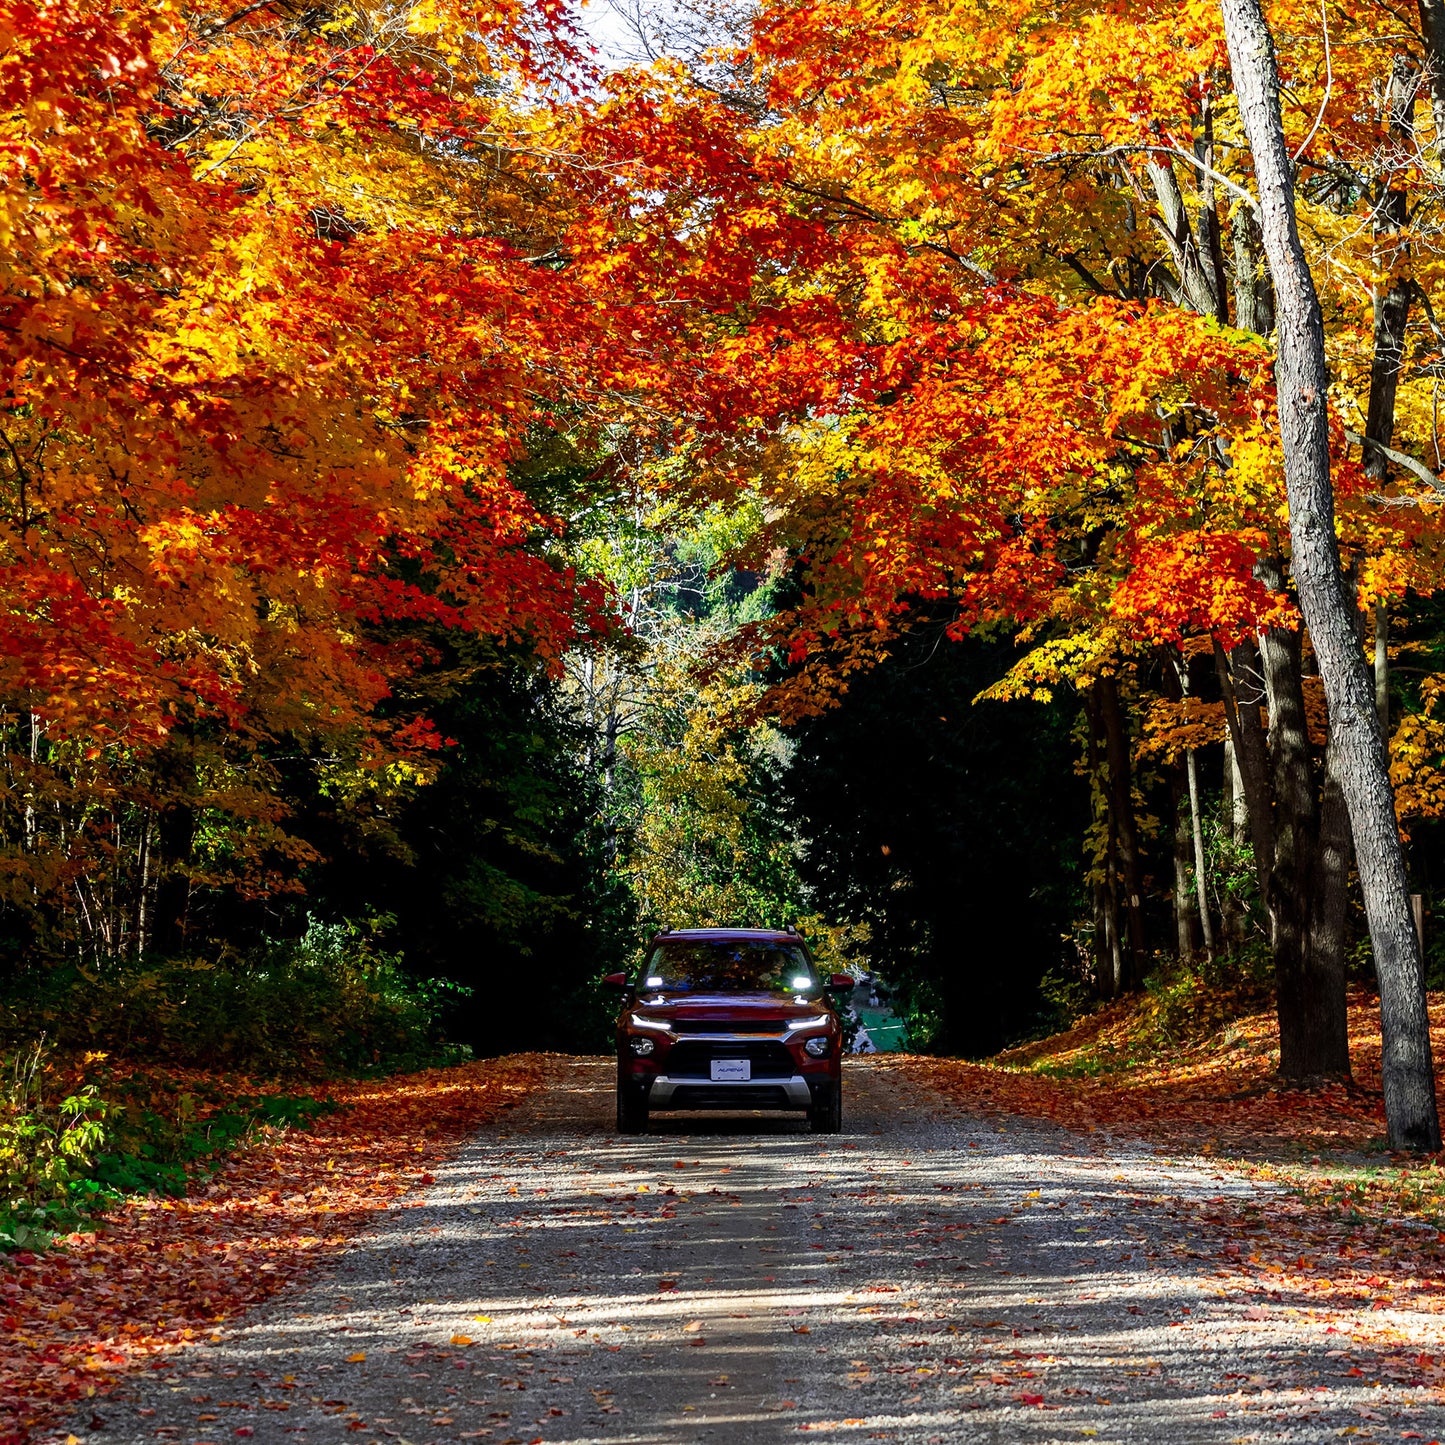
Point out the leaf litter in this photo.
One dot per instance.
(162, 1274)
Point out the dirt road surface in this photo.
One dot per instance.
(929, 1275)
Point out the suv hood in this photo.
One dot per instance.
(722, 1007)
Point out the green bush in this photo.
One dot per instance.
(328, 1003)
(921, 1006)
(1189, 1000)
(154, 1149)
(46, 1151)
(1066, 998)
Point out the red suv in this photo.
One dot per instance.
(729, 1018)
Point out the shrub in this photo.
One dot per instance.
(68, 1149)
(328, 1003)
(46, 1149)
(1188, 1000)
(1066, 998)
(157, 1143)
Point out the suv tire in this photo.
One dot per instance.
(826, 1115)
(631, 1110)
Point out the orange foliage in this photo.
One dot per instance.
(951, 341)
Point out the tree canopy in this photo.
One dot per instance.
(451, 480)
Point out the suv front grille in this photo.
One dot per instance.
(692, 1059)
(729, 1026)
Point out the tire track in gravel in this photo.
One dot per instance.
(929, 1275)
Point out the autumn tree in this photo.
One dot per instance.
(1303, 384)
(279, 303)
(1009, 346)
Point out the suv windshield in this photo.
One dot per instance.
(730, 965)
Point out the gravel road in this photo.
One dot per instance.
(928, 1275)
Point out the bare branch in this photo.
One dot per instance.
(1418, 469)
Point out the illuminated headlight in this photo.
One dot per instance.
(641, 1021)
(642, 1047)
(817, 1047)
(815, 1023)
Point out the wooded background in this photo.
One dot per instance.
(464, 505)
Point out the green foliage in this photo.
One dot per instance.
(1190, 999)
(46, 1150)
(65, 1158)
(924, 1011)
(155, 1151)
(709, 844)
(691, 776)
(329, 1003)
(1066, 998)
(1233, 877)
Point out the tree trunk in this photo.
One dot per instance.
(1111, 956)
(1194, 843)
(1108, 962)
(175, 835)
(1233, 919)
(1328, 920)
(1191, 260)
(1201, 880)
(1392, 315)
(1382, 667)
(1302, 386)
(1121, 804)
(1241, 684)
(1253, 292)
(1210, 232)
(1432, 29)
(1392, 296)
(1183, 855)
(1311, 1002)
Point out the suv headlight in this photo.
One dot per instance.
(641, 1047)
(641, 1021)
(818, 1048)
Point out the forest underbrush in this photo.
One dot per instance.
(140, 1077)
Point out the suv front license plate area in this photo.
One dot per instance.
(731, 1071)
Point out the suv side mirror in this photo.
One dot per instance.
(841, 982)
(615, 980)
